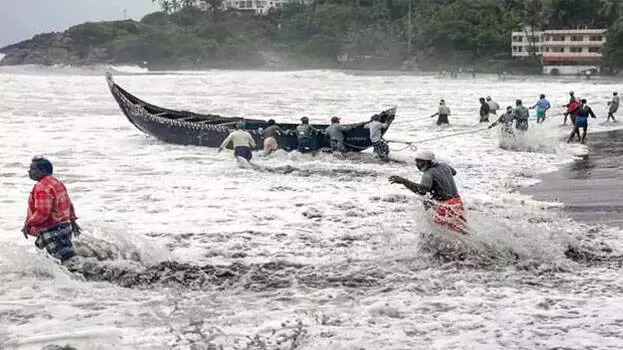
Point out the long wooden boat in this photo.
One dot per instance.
(189, 128)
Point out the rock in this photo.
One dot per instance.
(53, 49)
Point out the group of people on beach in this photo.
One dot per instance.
(51, 217)
(577, 110)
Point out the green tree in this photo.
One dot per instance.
(613, 51)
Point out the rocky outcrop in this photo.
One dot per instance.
(51, 49)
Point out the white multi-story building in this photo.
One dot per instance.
(563, 51)
(258, 6)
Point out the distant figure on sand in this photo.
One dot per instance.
(243, 142)
(493, 106)
(438, 181)
(443, 112)
(305, 133)
(270, 137)
(506, 120)
(335, 133)
(51, 217)
(573, 108)
(581, 121)
(376, 137)
(484, 111)
(521, 115)
(542, 106)
(613, 106)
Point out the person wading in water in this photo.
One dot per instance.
(506, 120)
(484, 110)
(573, 108)
(438, 181)
(581, 121)
(542, 106)
(376, 128)
(493, 106)
(443, 112)
(270, 137)
(521, 116)
(304, 134)
(335, 133)
(51, 217)
(613, 106)
(242, 140)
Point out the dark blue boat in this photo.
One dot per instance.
(189, 128)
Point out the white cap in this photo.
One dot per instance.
(425, 155)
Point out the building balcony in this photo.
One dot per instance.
(573, 43)
(574, 32)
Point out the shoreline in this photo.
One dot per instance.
(590, 188)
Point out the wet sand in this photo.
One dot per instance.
(591, 188)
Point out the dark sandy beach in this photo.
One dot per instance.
(592, 188)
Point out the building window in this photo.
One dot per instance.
(558, 49)
(593, 49)
(558, 38)
(577, 38)
(576, 49)
(596, 38)
(519, 48)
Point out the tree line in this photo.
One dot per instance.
(435, 34)
(456, 31)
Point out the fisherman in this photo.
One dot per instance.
(572, 108)
(242, 141)
(613, 106)
(304, 133)
(443, 112)
(581, 121)
(51, 216)
(484, 111)
(493, 106)
(521, 115)
(335, 132)
(506, 120)
(270, 137)
(438, 181)
(542, 105)
(376, 137)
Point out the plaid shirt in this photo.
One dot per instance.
(48, 205)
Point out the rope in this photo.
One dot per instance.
(452, 135)
(410, 145)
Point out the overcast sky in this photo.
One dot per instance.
(21, 19)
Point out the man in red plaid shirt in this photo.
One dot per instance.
(51, 216)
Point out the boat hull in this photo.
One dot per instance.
(188, 128)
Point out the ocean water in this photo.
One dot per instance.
(306, 252)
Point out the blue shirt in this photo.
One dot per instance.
(543, 104)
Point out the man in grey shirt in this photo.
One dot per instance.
(614, 106)
(438, 181)
(335, 132)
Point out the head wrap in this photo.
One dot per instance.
(425, 155)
